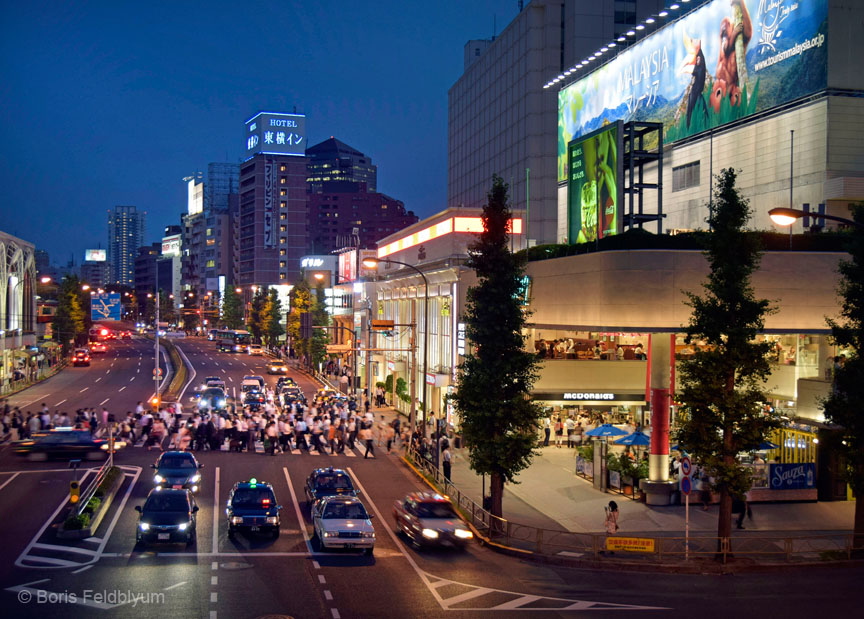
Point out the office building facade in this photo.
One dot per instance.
(125, 235)
(333, 160)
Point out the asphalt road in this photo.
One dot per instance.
(218, 577)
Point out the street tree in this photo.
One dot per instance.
(273, 328)
(844, 406)
(301, 302)
(167, 311)
(232, 309)
(721, 394)
(69, 324)
(255, 322)
(320, 318)
(499, 419)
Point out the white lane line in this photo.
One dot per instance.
(214, 580)
(131, 379)
(321, 579)
(216, 512)
(5, 483)
(327, 595)
(121, 388)
(316, 565)
(103, 401)
(335, 613)
(214, 597)
(230, 379)
(60, 402)
(224, 371)
(84, 389)
(297, 509)
(97, 380)
(138, 371)
(108, 371)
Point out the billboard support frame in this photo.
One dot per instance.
(635, 157)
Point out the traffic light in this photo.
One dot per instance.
(306, 326)
(74, 492)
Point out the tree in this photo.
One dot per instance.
(167, 311)
(301, 302)
(232, 309)
(499, 420)
(255, 322)
(69, 320)
(273, 328)
(721, 395)
(844, 405)
(320, 318)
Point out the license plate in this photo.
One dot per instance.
(162, 536)
(177, 486)
(349, 545)
(254, 528)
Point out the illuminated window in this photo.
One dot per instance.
(282, 180)
(282, 168)
(211, 264)
(283, 205)
(283, 241)
(383, 206)
(281, 275)
(283, 228)
(283, 192)
(282, 264)
(283, 216)
(283, 252)
(211, 241)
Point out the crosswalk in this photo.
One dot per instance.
(357, 452)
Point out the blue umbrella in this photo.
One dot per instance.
(607, 429)
(637, 439)
(767, 445)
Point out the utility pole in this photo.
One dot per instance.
(369, 348)
(413, 374)
(156, 359)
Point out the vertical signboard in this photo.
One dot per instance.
(269, 190)
(594, 191)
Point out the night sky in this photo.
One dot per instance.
(110, 103)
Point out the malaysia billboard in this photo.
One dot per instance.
(593, 189)
(95, 255)
(725, 61)
(276, 134)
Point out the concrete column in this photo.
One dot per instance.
(658, 488)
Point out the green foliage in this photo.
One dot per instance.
(722, 385)
(613, 462)
(587, 451)
(232, 309)
(70, 319)
(272, 318)
(843, 407)
(76, 522)
(499, 419)
(727, 113)
(93, 504)
(320, 318)
(256, 316)
(402, 389)
(301, 302)
(388, 383)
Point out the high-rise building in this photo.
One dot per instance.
(345, 214)
(145, 272)
(500, 118)
(270, 218)
(334, 160)
(43, 263)
(125, 236)
(223, 180)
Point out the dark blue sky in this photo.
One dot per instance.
(110, 103)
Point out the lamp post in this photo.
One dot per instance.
(787, 216)
(372, 263)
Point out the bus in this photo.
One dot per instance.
(240, 339)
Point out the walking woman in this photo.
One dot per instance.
(611, 521)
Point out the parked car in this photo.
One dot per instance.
(428, 519)
(167, 516)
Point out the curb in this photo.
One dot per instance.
(695, 567)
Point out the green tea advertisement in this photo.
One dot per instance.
(593, 193)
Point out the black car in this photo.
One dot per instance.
(285, 381)
(213, 399)
(254, 399)
(81, 357)
(328, 482)
(167, 516)
(65, 443)
(289, 395)
(178, 469)
(252, 508)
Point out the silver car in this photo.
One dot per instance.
(343, 522)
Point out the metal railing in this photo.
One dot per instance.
(94, 485)
(549, 542)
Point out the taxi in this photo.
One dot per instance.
(428, 519)
(328, 482)
(342, 522)
(277, 367)
(177, 470)
(252, 508)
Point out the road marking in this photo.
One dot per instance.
(297, 510)
(108, 372)
(84, 389)
(83, 569)
(174, 586)
(103, 401)
(327, 595)
(230, 379)
(224, 371)
(321, 579)
(335, 613)
(316, 565)
(138, 371)
(60, 402)
(214, 597)
(131, 379)
(121, 388)
(5, 483)
(212, 614)
(216, 512)
(72, 549)
(97, 380)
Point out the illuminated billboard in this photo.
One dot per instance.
(722, 62)
(593, 190)
(95, 255)
(195, 197)
(171, 245)
(275, 134)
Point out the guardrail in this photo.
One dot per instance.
(663, 549)
(91, 489)
(12, 387)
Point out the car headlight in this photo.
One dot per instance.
(369, 534)
(158, 479)
(182, 526)
(430, 533)
(463, 533)
(272, 519)
(331, 534)
(222, 402)
(237, 520)
(194, 488)
(144, 526)
(195, 478)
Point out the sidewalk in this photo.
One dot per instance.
(549, 495)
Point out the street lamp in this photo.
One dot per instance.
(372, 263)
(787, 216)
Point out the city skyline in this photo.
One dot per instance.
(123, 121)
